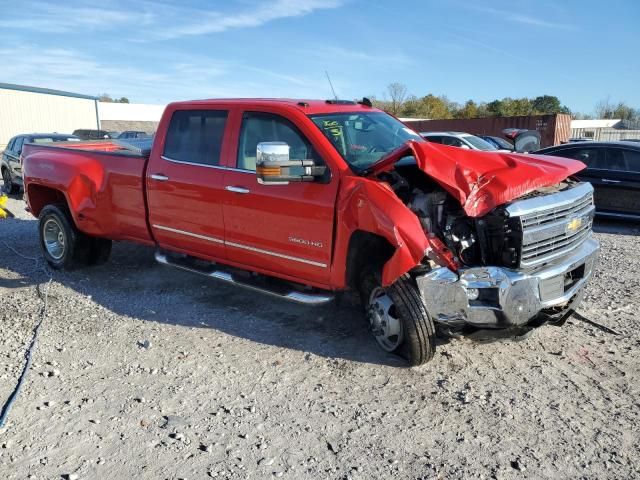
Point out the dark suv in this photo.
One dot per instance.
(133, 134)
(613, 168)
(10, 162)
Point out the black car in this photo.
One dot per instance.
(88, 134)
(499, 143)
(10, 162)
(613, 168)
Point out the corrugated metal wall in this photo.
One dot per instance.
(554, 129)
(30, 112)
(605, 134)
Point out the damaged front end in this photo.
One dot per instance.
(517, 235)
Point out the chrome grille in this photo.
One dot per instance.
(555, 214)
(553, 225)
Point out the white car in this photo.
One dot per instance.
(461, 140)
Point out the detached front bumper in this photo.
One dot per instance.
(494, 297)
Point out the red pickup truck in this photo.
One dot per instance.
(303, 199)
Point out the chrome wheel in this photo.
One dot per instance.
(383, 320)
(54, 239)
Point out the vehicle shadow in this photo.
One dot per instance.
(615, 226)
(133, 284)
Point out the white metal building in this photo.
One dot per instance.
(41, 110)
(604, 129)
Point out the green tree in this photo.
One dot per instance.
(546, 104)
(468, 110)
(435, 107)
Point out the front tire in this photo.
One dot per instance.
(398, 318)
(10, 187)
(63, 245)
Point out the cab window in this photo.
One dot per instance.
(632, 158)
(452, 141)
(260, 127)
(195, 136)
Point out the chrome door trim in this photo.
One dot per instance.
(215, 167)
(188, 234)
(275, 254)
(241, 246)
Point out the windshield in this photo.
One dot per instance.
(479, 143)
(364, 138)
(502, 143)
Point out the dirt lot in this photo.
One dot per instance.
(143, 371)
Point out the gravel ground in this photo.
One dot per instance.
(143, 371)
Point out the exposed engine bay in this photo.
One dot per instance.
(493, 239)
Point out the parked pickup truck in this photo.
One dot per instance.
(306, 199)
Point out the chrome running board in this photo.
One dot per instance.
(194, 265)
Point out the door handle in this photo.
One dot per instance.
(233, 189)
(159, 177)
(606, 180)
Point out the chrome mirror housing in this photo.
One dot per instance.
(275, 167)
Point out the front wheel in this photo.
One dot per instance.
(10, 187)
(398, 318)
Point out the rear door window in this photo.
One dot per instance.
(632, 159)
(195, 136)
(434, 139)
(616, 160)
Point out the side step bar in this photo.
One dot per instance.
(209, 270)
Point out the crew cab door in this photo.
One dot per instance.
(283, 229)
(184, 184)
(619, 181)
(607, 195)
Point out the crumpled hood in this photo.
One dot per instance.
(481, 181)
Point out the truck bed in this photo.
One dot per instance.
(102, 181)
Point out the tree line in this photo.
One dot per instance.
(400, 103)
(105, 97)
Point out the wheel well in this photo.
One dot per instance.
(366, 248)
(40, 197)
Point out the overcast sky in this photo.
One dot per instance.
(157, 51)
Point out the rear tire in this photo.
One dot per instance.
(398, 318)
(10, 187)
(63, 245)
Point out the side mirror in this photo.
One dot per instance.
(465, 147)
(274, 167)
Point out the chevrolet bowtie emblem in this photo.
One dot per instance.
(574, 224)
